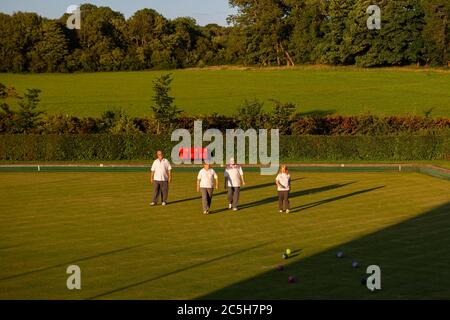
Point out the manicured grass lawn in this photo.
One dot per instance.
(126, 249)
(331, 90)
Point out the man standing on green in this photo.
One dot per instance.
(161, 176)
(206, 180)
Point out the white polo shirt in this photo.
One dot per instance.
(233, 175)
(206, 178)
(284, 180)
(161, 170)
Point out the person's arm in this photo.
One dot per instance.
(198, 181)
(279, 185)
(152, 170)
(169, 169)
(241, 173)
(225, 180)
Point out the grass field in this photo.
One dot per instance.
(330, 90)
(126, 249)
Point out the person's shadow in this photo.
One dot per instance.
(294, 194)
(325, 201)
(243, 189)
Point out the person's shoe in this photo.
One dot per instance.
(235, 209)
(230, 206)
(287, 211)
(281, 211)
(164, 203)
(152, 204)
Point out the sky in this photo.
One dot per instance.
(204, 11)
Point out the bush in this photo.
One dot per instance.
(106, 147)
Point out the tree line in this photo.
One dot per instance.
(262, 33)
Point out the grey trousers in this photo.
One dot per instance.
(160, 187)
(207, 194)
(283, 200)
(233, 196)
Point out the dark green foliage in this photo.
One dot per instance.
(333, 49)
(308, 18)
(250, 115)
(282, 116)
(24, 120)
(81, 147)
(266, 33)
(436, 32)
(28, 116)
(50, 52)
(399, 42)
(292, 148)
(164, 110)
(267, 28)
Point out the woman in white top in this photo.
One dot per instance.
(283, 181)
(234, 178)
(206, 180)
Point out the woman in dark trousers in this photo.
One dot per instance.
(283, 181)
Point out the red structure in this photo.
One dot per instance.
(193, 153)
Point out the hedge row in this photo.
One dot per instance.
(114, 122)
(292, 148)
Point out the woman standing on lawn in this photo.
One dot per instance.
(234, 178)
(283, 181)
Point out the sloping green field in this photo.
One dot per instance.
(331, 90)
(102, 222)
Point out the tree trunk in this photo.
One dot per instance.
(290, 61)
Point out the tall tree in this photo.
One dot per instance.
(18, 35)
(308, 18)
(399, 40)
(164, 109)
(50, 53)
(333, 49)
(182, 40)
(267, 28)
(28, 116)
(102, 38)
(145, 30)
(437, 32)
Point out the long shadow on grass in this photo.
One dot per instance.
(413, 256)
(294, 194)
(325, 201)
(177, 271)
(243, 189)
(59, 265)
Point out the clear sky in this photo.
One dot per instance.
(204, 11)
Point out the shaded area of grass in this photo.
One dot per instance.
(413, 257)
